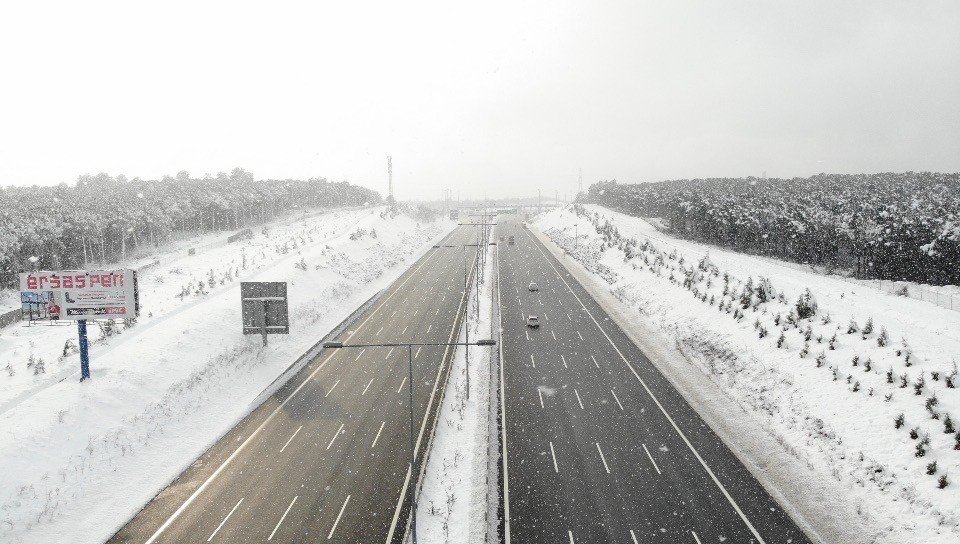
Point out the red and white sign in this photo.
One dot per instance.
(87, 294)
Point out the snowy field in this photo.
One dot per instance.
(858, 385)
(77, 460)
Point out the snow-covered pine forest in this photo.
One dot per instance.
(101, 218)
(890, 226)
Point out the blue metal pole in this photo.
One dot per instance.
(84, 356)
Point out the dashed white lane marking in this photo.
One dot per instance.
(404, 330)
(335, 384)
(416, 311)
(379, 331)
(526, 332)
(602, 458)
(540, 394)
(291, 438)
(394, 313)
(418, 352)
(595, 361)
(399, 389)
(617, 399)
(554, 455)
(367, 387)
(437, 312)
(429, 327)
(332, 440)
(633, 537)
(359, 354)
(579, 401)
(651, 459)
(532, 362)
(222, 523)
(281, 519)
(337, 521)
(564, 359)
(389, 353)
(570, 534)
(580, 335)
(695, 537)
(554, 334)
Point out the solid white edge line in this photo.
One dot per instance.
(335, 435)
(651, 458)
(290, 439)
(276, 410)
(378, 435)
(503, 416)
(602, 458)
(283, 517)
(554, 455)
(663, 410)
(337, 521)
(222, 523)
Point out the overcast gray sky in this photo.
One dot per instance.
(495, 97)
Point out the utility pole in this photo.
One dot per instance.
(390, 199)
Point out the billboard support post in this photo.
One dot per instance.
(84, 355)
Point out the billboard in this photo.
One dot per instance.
(80, 294)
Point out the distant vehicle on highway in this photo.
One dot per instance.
(533, 287)
(510, 240)
(533, 322)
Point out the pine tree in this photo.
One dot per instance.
(884, 338)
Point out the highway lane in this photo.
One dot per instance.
(599, 446)
(326, 457)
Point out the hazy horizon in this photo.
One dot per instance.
(500, 99)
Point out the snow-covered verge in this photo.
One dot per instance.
(871, 414)
(77, 460)
(453, 502)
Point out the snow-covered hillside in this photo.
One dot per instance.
(77, 460)
(859, 385)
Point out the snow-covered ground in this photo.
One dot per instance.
(454, 497)
(77, 460)
(867, 412)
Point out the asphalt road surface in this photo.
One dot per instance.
(326, 458)
(599, 446)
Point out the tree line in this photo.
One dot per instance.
(894, 226)
(100, 218)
